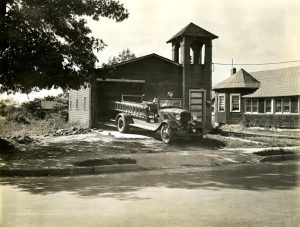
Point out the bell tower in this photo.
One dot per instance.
(192, 48)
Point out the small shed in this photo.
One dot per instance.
(48, 105)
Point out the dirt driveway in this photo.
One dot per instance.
(147, 150)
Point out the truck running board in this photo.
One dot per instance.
(144, 125)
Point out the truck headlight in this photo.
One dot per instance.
(177, 117)
(195, 117)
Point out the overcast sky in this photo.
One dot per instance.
(255, 31)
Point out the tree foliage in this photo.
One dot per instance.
(124, 55)
(47, 43)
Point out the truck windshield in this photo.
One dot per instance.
(164, 103)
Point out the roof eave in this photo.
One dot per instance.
(141, 58)
(212, 37)
(249, 87)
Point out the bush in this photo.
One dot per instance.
(18, 117)
(272, 120)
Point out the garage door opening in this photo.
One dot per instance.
(112, 90)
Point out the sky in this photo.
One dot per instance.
(256, 31)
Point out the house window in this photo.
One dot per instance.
(77, 104)
(268, 105)
(286, 105)
(254, 106)
(70, 105)
(278, 106)
(221, 103)
(248, 105)
(251, 106)
(235, 102)
(84, 103)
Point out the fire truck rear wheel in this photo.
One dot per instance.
(122, 125)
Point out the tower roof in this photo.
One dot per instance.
(193, 30)
(241, 79)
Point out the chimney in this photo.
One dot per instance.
(233, 71)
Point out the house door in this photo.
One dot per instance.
(197, 100)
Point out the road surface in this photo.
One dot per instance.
(233, 195)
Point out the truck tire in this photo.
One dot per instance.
(122, 125)
(166, 134)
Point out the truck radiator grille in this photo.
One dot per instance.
(185, 117)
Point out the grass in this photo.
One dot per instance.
(263, 141)
(232, 143)
(35, 128)
(276, 141)
(262, 130)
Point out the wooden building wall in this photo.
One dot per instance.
(229, 117)
(200, 78)
(160, 76)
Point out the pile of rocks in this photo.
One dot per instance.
(21, 139)
(71, 131)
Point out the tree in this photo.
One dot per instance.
(124, 55)
(47, 43)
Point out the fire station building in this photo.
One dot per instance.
(188, 75)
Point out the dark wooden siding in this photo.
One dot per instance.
(261, 106)
(200, 78)
(294, 104)
(235, 117)
(160, 76)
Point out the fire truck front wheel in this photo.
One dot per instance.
(166, 134)
(122, 125)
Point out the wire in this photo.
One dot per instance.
(268, 63)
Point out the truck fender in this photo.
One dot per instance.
(127, 118)
(162, 123)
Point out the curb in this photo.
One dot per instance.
(278, 158)
(70, 171)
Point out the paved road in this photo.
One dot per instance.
(232, 195)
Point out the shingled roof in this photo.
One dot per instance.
(278, 82)
(193, 30)
(241, 79)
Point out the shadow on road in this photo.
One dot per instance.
(257, 177)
